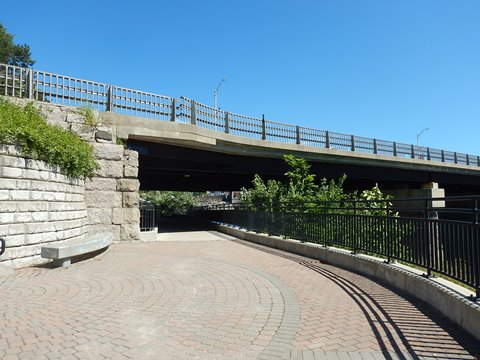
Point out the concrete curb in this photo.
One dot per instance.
(444, 296)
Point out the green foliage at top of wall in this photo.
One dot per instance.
(26, 127)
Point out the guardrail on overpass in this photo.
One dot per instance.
(65, 90)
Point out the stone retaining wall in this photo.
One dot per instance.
(38, 204)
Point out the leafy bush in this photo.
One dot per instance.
(169, 203)
(27, 128)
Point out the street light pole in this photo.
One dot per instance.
(418, 136)
(215, 93)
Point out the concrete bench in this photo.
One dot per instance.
(63, 252)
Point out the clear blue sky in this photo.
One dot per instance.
(375, 68)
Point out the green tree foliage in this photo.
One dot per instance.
(27, 128)
(11, 53)
(301, 183)
(263, 195)
(299, 189)
(169, 203)
(300, 208)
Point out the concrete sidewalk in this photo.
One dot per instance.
(201, 295)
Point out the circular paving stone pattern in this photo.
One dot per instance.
(212, 299)
(135, 302)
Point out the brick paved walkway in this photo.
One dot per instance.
(200, 295)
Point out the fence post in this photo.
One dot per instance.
(428, 154)
(388, 238)
(29, 84)
(443, 156)
(354, 228)
(352, 139)
(476, 250)
(264, 128)
(412, 151)
(455, 160)
(394, 149)
(468, 160)
(227, 123)
(298, 134)
(426, 236)
(375, 148)
(108, 106)
(173, 115)
(327, 139)
(193, 113)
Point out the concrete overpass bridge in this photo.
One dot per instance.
(185, 156)
(185, 145)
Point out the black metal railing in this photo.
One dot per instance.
(2, 246)
(147, 216)
(66, 90)
(441, 235)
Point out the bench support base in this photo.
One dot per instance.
(62, 262)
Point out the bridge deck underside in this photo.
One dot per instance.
(169, 167)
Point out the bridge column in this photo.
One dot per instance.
(428, 190)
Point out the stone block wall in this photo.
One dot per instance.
(38, 205)
(112, 196)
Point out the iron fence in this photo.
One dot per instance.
(65, 90)
(147, 216)
(2, 246)
(443, 240)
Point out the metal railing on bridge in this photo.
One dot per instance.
(443, 240)
(65, 90)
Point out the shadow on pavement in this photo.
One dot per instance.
(173, 224)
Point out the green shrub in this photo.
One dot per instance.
(169, 203)
(27, 128)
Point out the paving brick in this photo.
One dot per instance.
(214, 298)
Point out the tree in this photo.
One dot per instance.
(169, 203)
(11, 53)
(298, 191)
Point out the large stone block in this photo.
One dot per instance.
(40, 238)
(14, 173)
(75, 119)
(12, 161)
(10, 150)
(20, 195)
(130, 157)
(11, 184)
(85, 132)
(126, 216)
(114, 229)
(129, 232)
(99, 216)
(110, 169)
(128, 185)
(15, 240)
(7, 218)
(102, 184)
(130, 199)
(130, 172)
(108, 151)
(103, 199)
